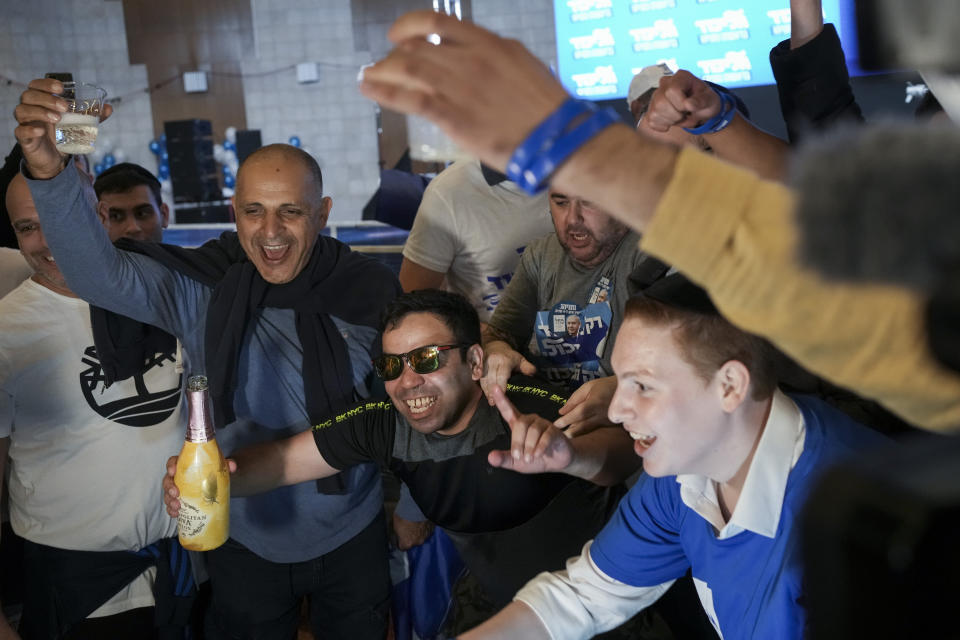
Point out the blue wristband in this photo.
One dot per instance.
(728, 109)
(534, 178)
(543, 136)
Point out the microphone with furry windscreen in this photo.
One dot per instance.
(883, 204)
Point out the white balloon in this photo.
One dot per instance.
(166, 185)
(97, 155)
(227, 192)
(119, 155)
(105, 145)
(231, 134)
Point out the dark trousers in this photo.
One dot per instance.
(348, 590)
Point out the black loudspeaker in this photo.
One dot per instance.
(204, 212)
(248, 141)
(879, 540)
(193, 170)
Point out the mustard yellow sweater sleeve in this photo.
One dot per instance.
(736, 236)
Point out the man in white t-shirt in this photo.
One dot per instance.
(80, 453)
(469, 232)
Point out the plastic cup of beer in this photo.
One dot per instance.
(76, 132)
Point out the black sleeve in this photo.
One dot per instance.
(814, 85)
(362, 433)
(531, 395)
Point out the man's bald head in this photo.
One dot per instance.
(285, 153)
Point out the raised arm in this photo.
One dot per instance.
(811, 73)
(806, 21)
(683, 100)
(129, 284)
(870, 339)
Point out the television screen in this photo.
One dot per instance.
(601, 44)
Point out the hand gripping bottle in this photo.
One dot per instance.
(202, 477)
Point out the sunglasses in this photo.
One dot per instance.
(422, 360)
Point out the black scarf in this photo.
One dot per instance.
(335, 282)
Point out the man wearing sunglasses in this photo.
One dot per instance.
(440, 437)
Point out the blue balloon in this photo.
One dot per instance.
(98, 168)
(155, 147)
(295, 141)
(229, 146)
(163, 139)
(226, 170)
(229, 181)
(109, 160)
(163, 171)
(164, 156)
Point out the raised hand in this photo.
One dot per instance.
(682, 100)
(487, 93)
(536, 446)
(39, 110)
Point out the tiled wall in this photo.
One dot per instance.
(529, 22)
(330, 117)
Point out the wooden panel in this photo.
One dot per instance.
(174, 36)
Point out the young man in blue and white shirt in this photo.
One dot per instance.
(729, 459)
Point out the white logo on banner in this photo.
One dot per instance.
(583, 10)
(781, 22)
(733, 67)
(652, 5)
(601, 81)
(597, 44)
(731, 26)
(662, 35)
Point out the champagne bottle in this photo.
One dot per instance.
(202, 477)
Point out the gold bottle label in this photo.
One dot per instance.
(192, 520)
(204, 484)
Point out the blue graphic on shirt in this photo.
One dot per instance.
(571, 340)
(499, 283)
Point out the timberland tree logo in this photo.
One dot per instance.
(144, 400)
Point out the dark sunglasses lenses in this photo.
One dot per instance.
(425, 359)
(388, 367)
(422, 360)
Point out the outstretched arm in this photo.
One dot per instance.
(261, 468)
(573, 604)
